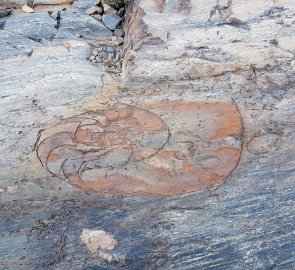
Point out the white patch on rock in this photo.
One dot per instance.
(98, 241)
(27, 9)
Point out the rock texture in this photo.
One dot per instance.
(186, 162)
(130, 149)
(195, 44)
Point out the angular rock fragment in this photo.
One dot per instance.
(108, 9)
(111, 21)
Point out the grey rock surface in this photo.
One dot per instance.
(119, 33)
(84, 25)
(13, 45)
(38, 26)
(173, 50)
(82, 5)
(111, 21)
(13, 3)
(93, 10)
(97, 16)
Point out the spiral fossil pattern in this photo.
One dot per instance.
(153, 149)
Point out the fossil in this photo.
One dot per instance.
(161, 148)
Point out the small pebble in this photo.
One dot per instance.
(119, 33)
(27, 9)
(117, 41)
(97, 2)
(92, 57)
(110, 49)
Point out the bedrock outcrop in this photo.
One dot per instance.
(172, 148)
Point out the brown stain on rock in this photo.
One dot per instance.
(163, 148)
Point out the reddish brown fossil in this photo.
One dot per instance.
(163, 148)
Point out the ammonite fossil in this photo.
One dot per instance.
(161, 148)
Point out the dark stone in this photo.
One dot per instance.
(4, 12)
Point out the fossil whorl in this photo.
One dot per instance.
(101, 142)
(164, 149)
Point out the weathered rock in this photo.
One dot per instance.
(144, 153)
(27, 9)
(119, 33)
(86, 26)
(111, 21)
(117, 41)
(108, 9)
(12, 3)
(116, 4)
(37, 26)
(53, 2)
(13, 45)
(193, 74)
(93, 10)
(4, 12)
(97, 16)
(209, 55)
(83, 5)
(121, 11)
(97, 2)
(53, 67)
